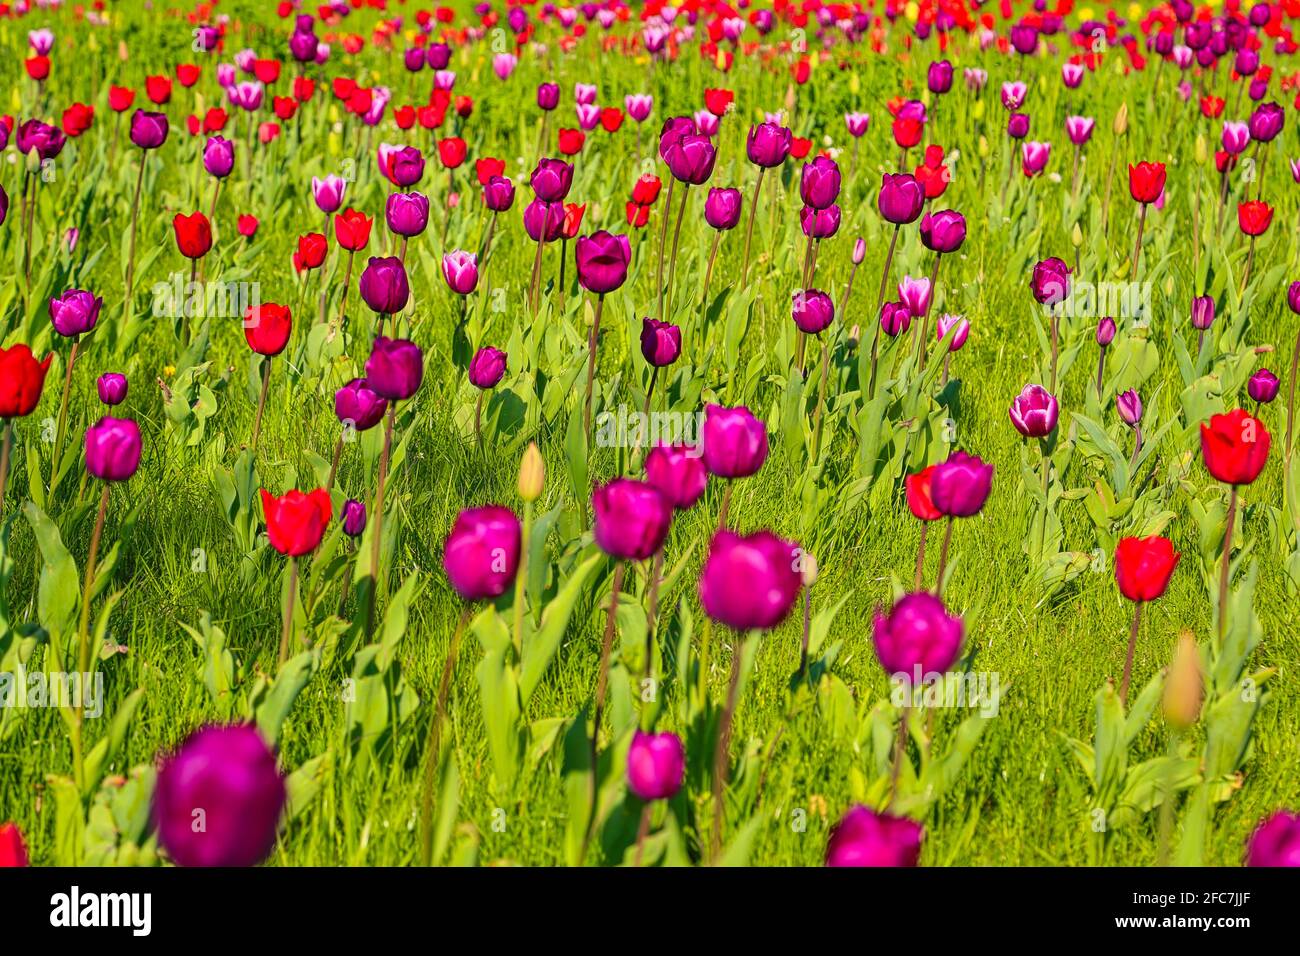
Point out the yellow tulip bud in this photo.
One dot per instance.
(1184, 685)
(532, 473)
(1076, 236)
(984, 147)
(855, 84)
(1120, 126)
(809, 569)
(1202, 150)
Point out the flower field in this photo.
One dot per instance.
(751, 434)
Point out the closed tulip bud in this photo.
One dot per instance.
(661, 342)
(1293, 297)
(1202, 312)
(812, 311)
(481, 554)
(656, 764)
(1105, 331)
(809, 570)
(1185, 684)
(407, 214)
(359, 404)
(917, 633)
(735, 442)
(219, 157)
(354, 518)
(112, 388)
(631, 518)
(1129, 406)
(1263, 386)
(750, 582)
(1202, 150)
(1120, 125)
(395, 368)
(859, 251)
(722, 208)
(148, 130)
(384, 285)
(13, 852)
(267, 327)
(1235, 447)
(1034, 412)
(460, 269)
(864, 837)
(487, 367)
(983, 147)
(75, 312)
(532, 473)
(22, 378)
(113, 449)
(230, 775)
(960, 485)
(602, 260)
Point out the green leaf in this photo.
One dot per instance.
(541, 646)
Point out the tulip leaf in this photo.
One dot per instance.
(57, 591)
(541, 646)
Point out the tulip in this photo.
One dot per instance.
(485, 370)
(311, 251)
(895, 318)
(328, 193)
(1276, 841)
(22, 378)
(1202, 318)
(722, 208)
(229, 776)
(353, 517)
(656, 764)
(735, 446)
(403, 166)
(819, 183)
(460, 270)
(551, 180)
(1034, 412)
(407, 214)
(1143, 567)
(1262, 387)
(13, 852)
(112, 388)
(917, 488)
(1050, 282)
(384, 286)
(679, 472)
(767, 145)
(113, 449)
(148, 131)
(193, 234)
(864, 837)
(917, 636)
(632, 519)
(661, 343)
(482, 552)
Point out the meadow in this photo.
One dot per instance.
(189, 599)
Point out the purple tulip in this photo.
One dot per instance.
(407, 214)
(1024, 38)
(4, 198)
(812, 311)
(656, 764)
(487, 367)
(946, 323)
(1263, 386)
(482, 552)
(1292, 298)
(895, 318)
(45, 140)
(1266, 122)
(75, 312)
(735, 442)
(902, 197)
(864, 837)
(750, 582)
(548, 96)
(1079, 129)
(602, 260)
(638, 106)
(1276, 841)
(304, 47)
(915, 294)
(354, 518)
(857, 124)
(401, 165)
(938, 77)
(768, 144)
(1129, 406)
(460, 269)
(543, 220)
(918, 633)
(551, 180)
(1050, 282)
(437, 55)
(1105, 331)
(819, 223)
(499, 194)
(943, 231)
(1034, 411)
(218, 156)
(328, 192)
(112, 388)
(661, 342)
(148, 130)
(722, 208)
(859, 251)
(631, 518)
(1202, 312)
(819, 182)
(226, 777)
(1018, 126)
(674, 128)
(960, 485)
(384, 285)
(690, 159)
(678, 471)
(358, 403)
(395, 368)
(412, 58)
(113, 449)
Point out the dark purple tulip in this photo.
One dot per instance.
(1203, 312)
(1034, 411)
(895, 318)
(75, 312)
(113, 449)
(735, 442)
(768, 144)
(112, 388)
(482, 552)
(148, 130)
(354, 518)
(656, 764)
(543, 221)
(943, 231)
(819, 182)
(219, 156)
(548, 96)
(395, 368)
(1260, 14)
(412, 59)
(551, 180)
(304, 47)
(437, 55)
(1024, 38)
(1105, 331)
(960, 485)
(384, 285)
(1050, 282)
(47, 141)
(1275, 842)
(499, 194)
(1266, 122)
(4, 205)
(750, 582)
(678, 472)
(917, 633)
(632, 518)
(358, 403)
(902, 197)
(939, 77)
(690, 159)
(1129, 406)
(1018, 125)
(722, 208)
(864, 837)
(1247, 62)
(487, 367)
(602, 260)
(1263, 386)
(674, 128)
(227, 778)
(820, 223)
(1292, 297)
(404, 166)
(661, 342)
(812, 311)
(407, 214)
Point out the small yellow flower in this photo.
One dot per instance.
(169, 370)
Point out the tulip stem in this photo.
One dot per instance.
(334, 464)
(643, 829)
(379, 519)
(60, 432)
(534, 285)
(663, 242)
(656, 572)
(1101, 368)
(721, 756)
(5, 445)
(920, 556)
(564, 257)
(708, 274)
(287, 631)
(880, 302)
(672, 262)
(1250, 259)
(1128, 660)
(478, 419)
(1290, 430)
(434, 747)
(591, 364)
(749, 228)
(943, 558)
(726, 505)
(1055, 324)
(261, 403)
(347, 282)
(29, 218)
(598, 712)
(1047, 474)
(900, 749)
(1225, 572)
(821, 402)
(807, 632)
(135, 219)
(1137, 245)
(521, 577)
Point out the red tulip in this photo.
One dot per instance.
(311, 251)
(267, 71)
(187, 74)
(13, 852)
(611, 118)
(637, 216)
(38, 67)
(77, 119)
(247, 226)
(214, 120)
(1235, 447)
(1254, 217)
(572, 219)
(917, 487)
(158, 89)
(303, 88)
(295, 522)
(193, 234)
(487, 167)
(451, 151)
(266, 327)
(120, 98)
(1146, 181)
(352, 229)
(571, 141)
(21, 380)
(284, 107)
(646, 190)
(1143, 566)
(907, 132)
(799, 147)
(717, 101)
(404, 117)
